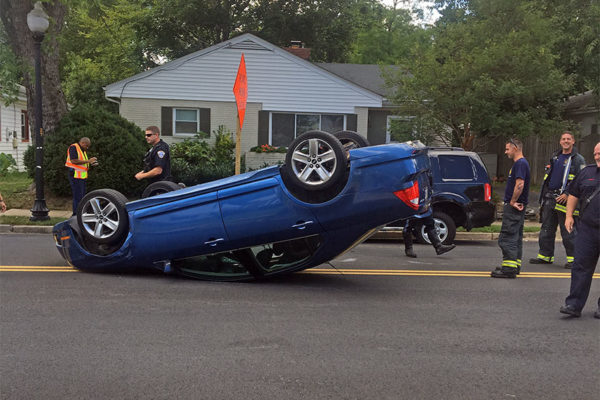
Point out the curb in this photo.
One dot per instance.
(25, 229)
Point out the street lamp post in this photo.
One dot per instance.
(37, 21)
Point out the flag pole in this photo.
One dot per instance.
(238, 147)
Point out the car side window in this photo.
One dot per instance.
(455, 167)
(285, 254)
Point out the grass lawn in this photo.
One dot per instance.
(18, 192)
(18, 220)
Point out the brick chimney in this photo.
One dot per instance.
(297, 48)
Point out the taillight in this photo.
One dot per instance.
(487, 192)
(410, 195)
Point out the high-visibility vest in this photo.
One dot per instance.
(80, 169)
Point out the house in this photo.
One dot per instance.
(287, 95)
(14, 128)
(584, 110)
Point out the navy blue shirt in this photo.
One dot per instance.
(159, 156)
(582, 187)
(555, 179)
(520, 170)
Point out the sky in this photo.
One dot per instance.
(429, 16)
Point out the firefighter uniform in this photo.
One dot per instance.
(587, 242)
(159, 156)
(560, 171)
(77, 173)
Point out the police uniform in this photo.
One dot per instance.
(510, 239)
(159, 156)
(587, 242)
(560, 171)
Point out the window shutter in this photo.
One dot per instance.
(263, 128)
(205, 120)
(166, 121)
(351, 122)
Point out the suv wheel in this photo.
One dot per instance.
(444, 226)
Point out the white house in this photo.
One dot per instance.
(14, 128)
(287, 95)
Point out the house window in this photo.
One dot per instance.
(399, 129)
(24, 126)
(284, 128)
(186, 121)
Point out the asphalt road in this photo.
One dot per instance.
(380, 327)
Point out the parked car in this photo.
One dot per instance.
(462, 193)
(329, 196)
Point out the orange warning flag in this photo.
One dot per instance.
(240, 90)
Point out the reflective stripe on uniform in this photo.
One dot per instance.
(518, 262)
(510, 263)
(563, 208)
(547, 259)
(571, 177)
(570, 259)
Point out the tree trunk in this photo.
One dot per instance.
(13, 14)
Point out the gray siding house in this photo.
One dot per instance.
(14, 128)
(287, 95)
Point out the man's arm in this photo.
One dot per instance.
(152, 173)
(519, 185)
(571, 204)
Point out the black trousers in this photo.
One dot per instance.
(551, 219)
(78, 190)
(510, 239)
(587, 251)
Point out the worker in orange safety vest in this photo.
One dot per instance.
(77, 164)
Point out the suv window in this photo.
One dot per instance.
(454, 167)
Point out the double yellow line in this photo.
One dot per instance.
(339, 271)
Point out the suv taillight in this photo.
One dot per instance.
(410, 195)
(487, 192)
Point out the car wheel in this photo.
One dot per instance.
(444, 226)
(315, 161)
(159, 187)
(101, 216)
(351, 140)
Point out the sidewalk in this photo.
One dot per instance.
(386, 234)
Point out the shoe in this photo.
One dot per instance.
(441, 249)
(410, 253)
(570, 310)
(569, 265)
(518, 269)
(503, 273)
(538, 261)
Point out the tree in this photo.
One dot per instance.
(13, 14)
(488, 73)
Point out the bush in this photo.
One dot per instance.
(117, 143)
(194, 161)
(265, 148)
(7, 164)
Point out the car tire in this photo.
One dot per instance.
(160, 187)
(445, 226)
(102, 217)
(315, 161)
(351, 140)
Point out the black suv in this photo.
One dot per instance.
(461, 193)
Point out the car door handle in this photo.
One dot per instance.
(214, 242)
(302, 224)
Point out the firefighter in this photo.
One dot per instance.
(560, 171)
(585, 191)
(78, 164)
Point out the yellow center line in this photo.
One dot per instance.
(330, 271)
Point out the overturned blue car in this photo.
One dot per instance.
(331, 194)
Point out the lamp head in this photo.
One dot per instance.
(37, 19)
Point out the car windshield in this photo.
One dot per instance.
(246, 263)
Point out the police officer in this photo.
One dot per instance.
(515, 200)
(77, 168)
(157, 161)
(584, 189)
(560, 171)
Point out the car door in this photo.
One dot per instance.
(261, 212)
